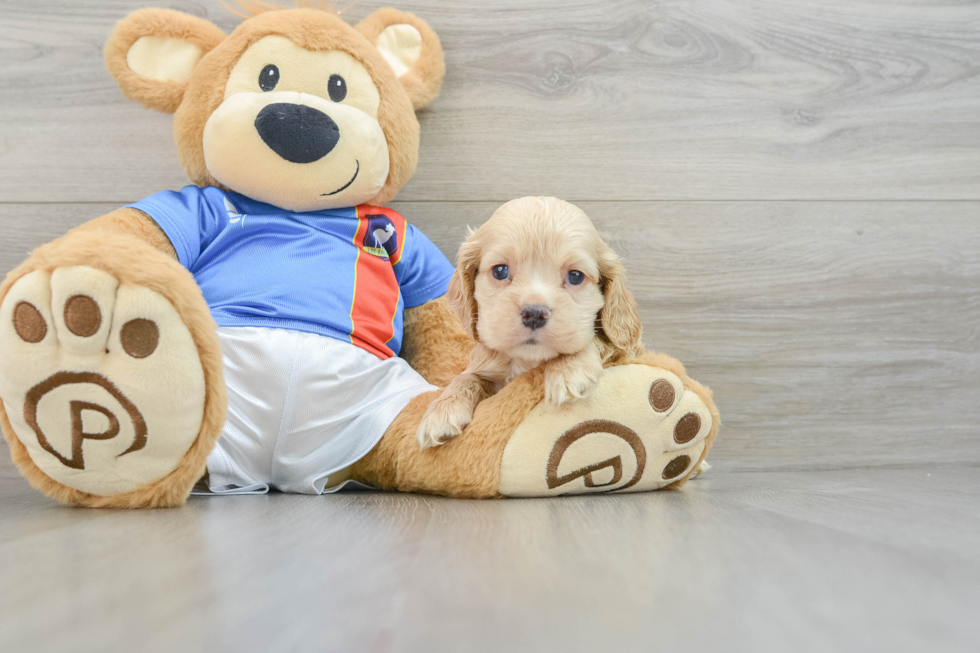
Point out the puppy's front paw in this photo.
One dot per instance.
(563, 383)
(445, 418)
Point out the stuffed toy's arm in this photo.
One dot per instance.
(435, 343)
(110, 298)
(135, 223)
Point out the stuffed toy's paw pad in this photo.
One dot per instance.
(101, 382)
(639, 430)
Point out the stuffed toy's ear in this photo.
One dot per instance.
(412, 50)
(153, 52)
(619, 317)
(462, 284)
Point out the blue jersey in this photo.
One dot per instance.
(344, 273)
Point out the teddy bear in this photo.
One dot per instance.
(272, 326)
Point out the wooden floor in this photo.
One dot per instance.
(794, 186)
(849, 560)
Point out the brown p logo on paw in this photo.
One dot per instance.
(586, 429)
(641, 429)
(106, 377)
(76, 408)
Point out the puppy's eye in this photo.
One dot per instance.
(500, 272)
(575, 277)
(337, 88)
(268, 78)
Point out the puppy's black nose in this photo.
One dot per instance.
(535, 316)
(296, 132)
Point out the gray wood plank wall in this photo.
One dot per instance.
(794, 186)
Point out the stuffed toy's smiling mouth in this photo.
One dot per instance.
(344, 187)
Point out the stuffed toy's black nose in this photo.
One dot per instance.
(535, 316)
(297, 133)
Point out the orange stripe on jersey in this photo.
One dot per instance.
(358, 235)
(376, 289)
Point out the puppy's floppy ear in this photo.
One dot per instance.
(412, 50)
(619, 317)
(153, 52)
(463, 283)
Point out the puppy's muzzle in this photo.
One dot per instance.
(535, 316)
(296, 132)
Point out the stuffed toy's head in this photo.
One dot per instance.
(295, 108)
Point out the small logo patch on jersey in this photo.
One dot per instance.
(381, 238)
(234, 217)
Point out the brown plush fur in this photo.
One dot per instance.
(135, 223)
(248, 8)
(466, 466)
(134, 262)
(312, 29)
(469, 466)
(423, 81)
(435, 343)
(166, 23)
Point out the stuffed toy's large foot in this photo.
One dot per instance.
(641, 430)
(105, 393)
(647, 426)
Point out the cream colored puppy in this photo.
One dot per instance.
(535, 284)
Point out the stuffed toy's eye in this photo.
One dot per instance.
(268, 78)
(575, 277)
(500, 272)
(337, 88)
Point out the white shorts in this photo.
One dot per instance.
(300, 408)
